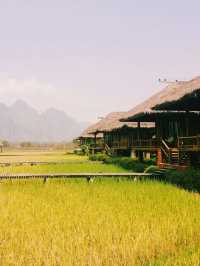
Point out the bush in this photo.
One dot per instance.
(124, 162)
(98, 157)
(151, 169)
(127, 163)
(189, 179)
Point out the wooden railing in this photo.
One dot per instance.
(141, 144)
(189, 143)
(166, 150)
(107, 149)
(87, 176)
(184, 144)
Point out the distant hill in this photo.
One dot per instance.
(21, 122)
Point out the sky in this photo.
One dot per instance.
(90, 57)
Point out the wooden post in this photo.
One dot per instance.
(133, 154)
(88, 179)
(187, 123)
(159, 157)
(95, 140)
(138, 131)
(147, 155)
(45, 180)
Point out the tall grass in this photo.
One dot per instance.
(103, 223)
(62, 168)
(39, 156)
(71, 222)
(70, 163)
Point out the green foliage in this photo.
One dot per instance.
(99, 157)
(189, 179)
(130, 164)
(124, 162)
(151, 169)
(5, 143)
(79, 151)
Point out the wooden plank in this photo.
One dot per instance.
(75, 175)
(46, 163)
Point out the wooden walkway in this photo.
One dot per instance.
(87, 176)
(4, 164)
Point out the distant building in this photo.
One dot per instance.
(119, 136)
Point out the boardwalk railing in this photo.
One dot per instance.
(87, 176)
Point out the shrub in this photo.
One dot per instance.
(78, 151)
(124, 162)
(98, 157)
(150, 162)
(127, 163)
(189, 179)
(151, 169)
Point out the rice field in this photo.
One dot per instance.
(39, 156)
(58, 162)
(107, 222)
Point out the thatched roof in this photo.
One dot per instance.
(151, 116)
(167, 99)
(87, 133)
(112, 122)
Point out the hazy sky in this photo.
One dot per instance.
(91, 57)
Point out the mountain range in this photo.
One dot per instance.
(21, 122)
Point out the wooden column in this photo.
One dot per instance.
(159, 157)
(95, 140)
(140, 153)
(187, 123)
(147, 155)
(138, 131)
(157, 129)
(133, 154)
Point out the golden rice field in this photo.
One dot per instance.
(39, 156)
(107, 222)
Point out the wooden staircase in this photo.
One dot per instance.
(173, 156)
(108, 150)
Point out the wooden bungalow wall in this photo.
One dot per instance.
(124, 138)
(167, 128)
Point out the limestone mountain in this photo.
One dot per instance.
(21, 122)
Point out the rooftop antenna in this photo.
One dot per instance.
(166, 81)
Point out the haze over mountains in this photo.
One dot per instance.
(21, 122)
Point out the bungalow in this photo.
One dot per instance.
(176, 114)
(119, 137)
(92, 141)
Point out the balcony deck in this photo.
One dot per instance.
(184, 144)
(189, 144)
(140, 145)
